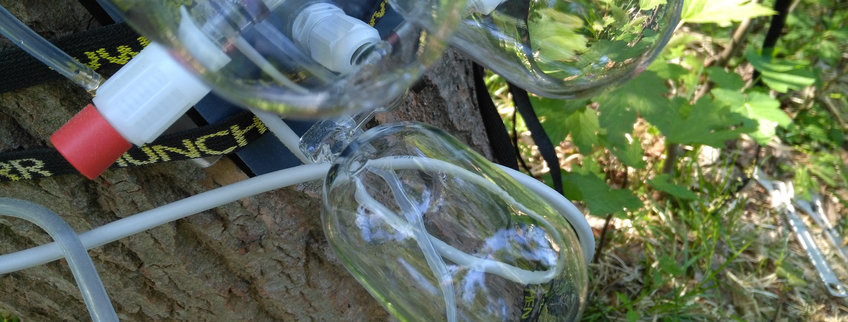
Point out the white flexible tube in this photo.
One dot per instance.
(47, 53)
(88, 281)
(176, 210)
(283, 132)
(179, 209)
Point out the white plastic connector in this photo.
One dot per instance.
(153, 90)
(330, 36)
(148, 94)
(484, 7)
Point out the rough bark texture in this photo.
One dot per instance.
(261, 258)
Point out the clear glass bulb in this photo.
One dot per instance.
(564, 48)
(303, 58)
(434, 231)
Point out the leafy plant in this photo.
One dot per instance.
(639, 156)
(665, 97)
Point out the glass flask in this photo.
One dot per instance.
(563, 48)
(434, 231)
(302, 58)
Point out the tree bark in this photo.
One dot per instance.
(262, 258)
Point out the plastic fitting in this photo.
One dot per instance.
(135, 105)
(332, 38)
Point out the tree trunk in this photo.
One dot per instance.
(262, 258)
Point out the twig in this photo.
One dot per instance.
(602, 242)
(828, 103)
(724, 57)
(671, 154)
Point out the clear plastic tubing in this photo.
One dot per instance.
(98, 303)
(176, 210)
(47, 53)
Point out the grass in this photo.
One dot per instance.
(726, 255)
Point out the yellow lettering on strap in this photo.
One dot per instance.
(201, 143)
(238, 134)
(379, 14)
(35, 166)
(189, 151)
(93, 60)
(151, 157)
(4, 171)
(125, 53)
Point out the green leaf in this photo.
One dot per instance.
(728, 97)
(703, 123)
(553, 114)
(584, 129)
(645, 94)
(661, 183)
(781, 75)
(549, 106)
(824, 166)
(555, 35)
(725, 79)
(608, 52)
(618, 122)
(669, 265)
(763, 106)
(804, 183)
(631, 154)
(766, 110)
(722, 12)
(597, 195)
(669, 70)
(650, 4)
(632, 316)
(591, 166)
(757, 106)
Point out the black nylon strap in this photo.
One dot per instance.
(546, 148)
(104, 49)
(776, 25)
(221, 138)
(499, 141)
(97, 12)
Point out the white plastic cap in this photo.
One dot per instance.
(148, 94)
(484, 7)
(330, 36)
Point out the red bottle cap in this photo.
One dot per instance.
(89, 142)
